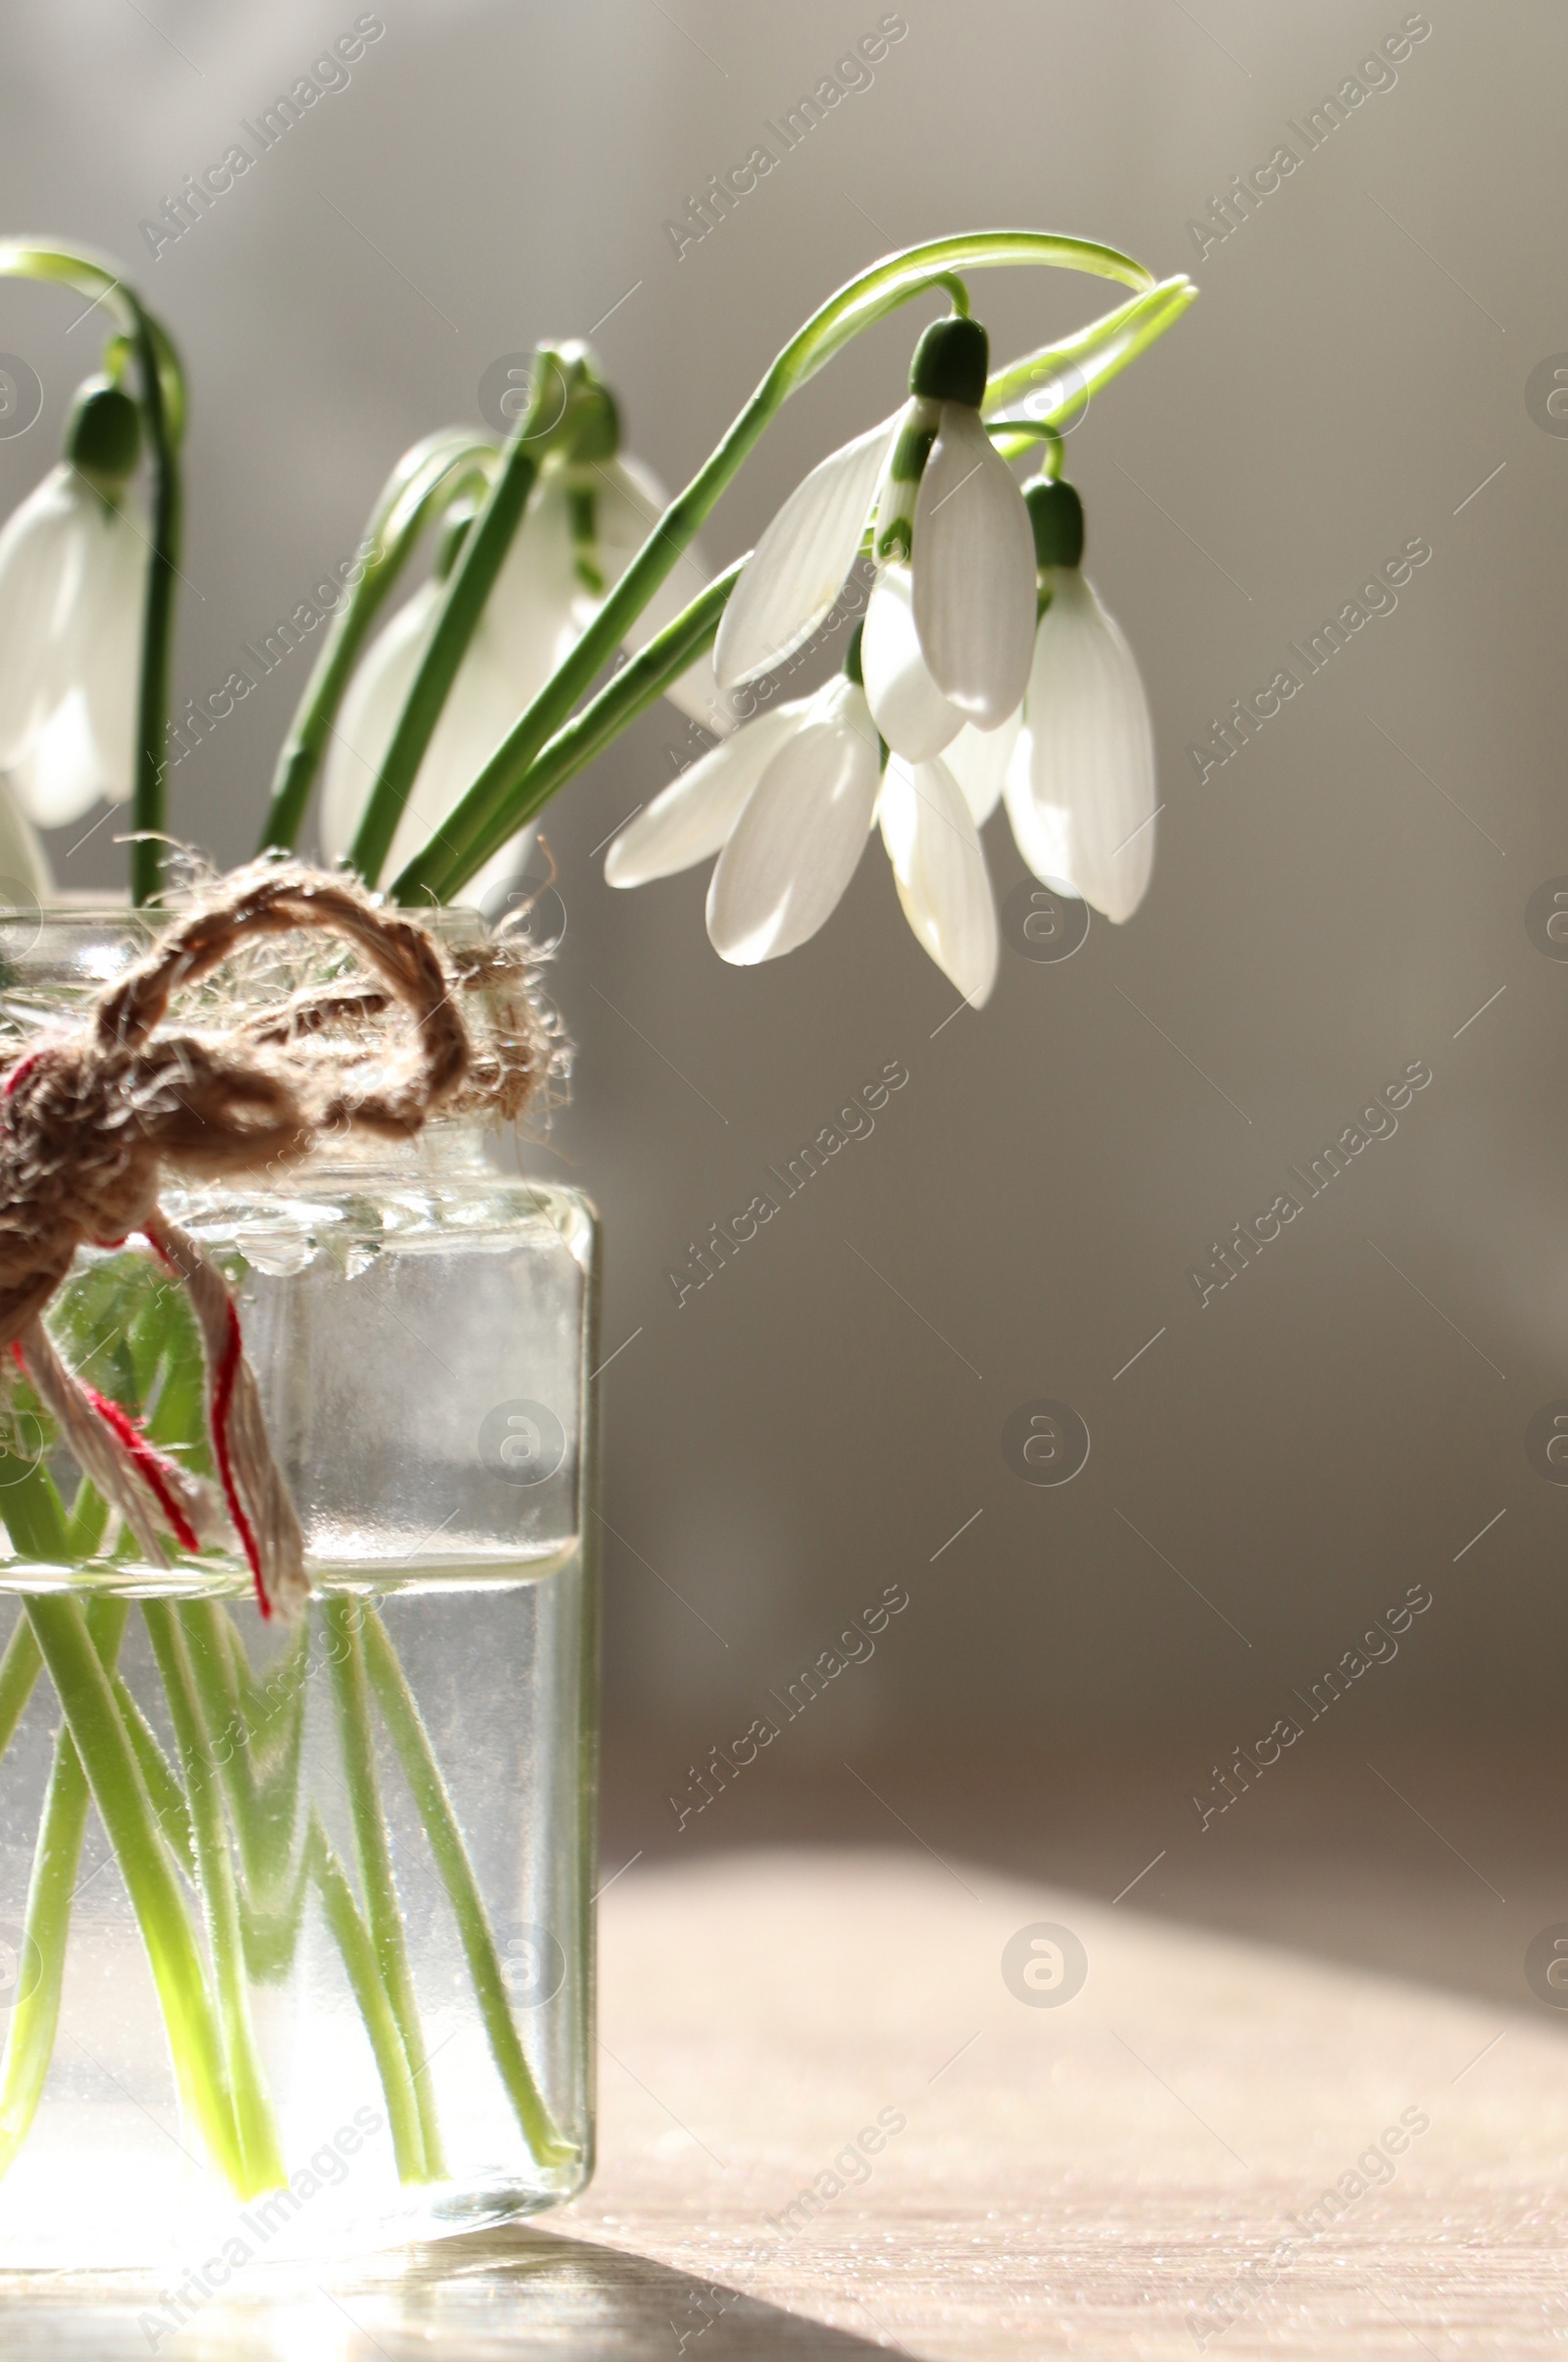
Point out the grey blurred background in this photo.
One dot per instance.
(1346, 897)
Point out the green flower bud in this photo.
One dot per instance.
(596, 426)
(1057, 516)
(103, 435)
(951, 361)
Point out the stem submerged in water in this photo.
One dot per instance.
(261, 2156)
(346, 1654)
(57, 1857)
(93, 1719)
(423, 1775)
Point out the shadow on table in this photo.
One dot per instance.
(487, 2296)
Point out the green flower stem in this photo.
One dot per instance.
(87, 1524)
(163, 403)
(57, 1858)
(406, 1724)
(109, 1760)
(425, 480)
(36, 1517)
(263, 1799)
(359, 1951)
(220, 1665)
(19, 1668)
(1080, 364)
(865, 299)
(261, 2156)
(480, 562)
(147, 804)
(164, 1791)
(342, 1620)
(626, 694)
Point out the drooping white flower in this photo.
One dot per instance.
(801, 832)
(618, 502)
(940, 869)
(584, 523)
(26, 882)
(908, 707)
(481, 707)
(786, 804)
(1080, 786)
(949, 629)
(73, 561)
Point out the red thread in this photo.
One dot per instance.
(21, 1071)
(222, 1400)
(151, 1465)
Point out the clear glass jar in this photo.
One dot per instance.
(301, 1961)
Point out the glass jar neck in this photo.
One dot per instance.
(454, 1149)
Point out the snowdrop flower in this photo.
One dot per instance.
(1080, 783)
(787, 803)
(587, 517)
(73, 591)
(950, 626)
(529, 622)
(615, 503)
(26, 882)
(933, 843)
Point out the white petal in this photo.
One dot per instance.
(40, 573)
(697, 692)
(1091, 753)
(974, 571)
(490, 889)
(796, 842)
(536, 603)
(941, 873)
(484, 702)
(692, 818)
(629, 502)
(23, 865)
(1043, 832)
(506, 665)
(911, 710)
(110, 644)
(57, 778)
(801, 562)
(364, 728)
(979, 759)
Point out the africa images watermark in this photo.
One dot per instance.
(196, 721)
(855, 1120)
(258, 2227)
(1373, 2169)
(852, 2168)
(200, 192)
(1377, 1120)
(854, 1647)
(1379, 1646)
(1375, 74)
(724, 190)
(1245, 719)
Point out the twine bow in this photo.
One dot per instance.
(92, 1124)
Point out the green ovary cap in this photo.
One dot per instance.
(851, 656)
(951, 361)
(103, 435)
(1056, 514)
(597, 434)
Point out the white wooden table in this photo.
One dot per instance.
(1077, 2179)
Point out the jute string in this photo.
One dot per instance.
(91, 1125)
